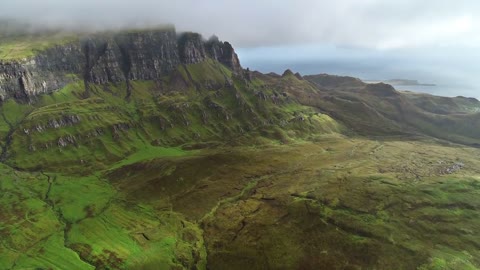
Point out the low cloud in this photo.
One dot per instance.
(251, 23)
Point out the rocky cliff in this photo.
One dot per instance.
(110, 57)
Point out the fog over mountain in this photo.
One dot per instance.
(373, 39)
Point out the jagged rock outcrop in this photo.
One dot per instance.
(44, 73)
(224, 53)
(191, 48)
(112, 57)
(287, 72)
(299, 76)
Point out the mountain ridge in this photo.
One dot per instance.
(110, 57)
(101, 68)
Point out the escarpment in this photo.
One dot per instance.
(110, 58)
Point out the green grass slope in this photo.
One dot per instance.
(199, 103)
(205, 169)
(52, 221)
(379, 110)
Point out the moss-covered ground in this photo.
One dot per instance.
(337, 203)
(205, 170)
(355, 204)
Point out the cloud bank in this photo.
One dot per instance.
(251, 23)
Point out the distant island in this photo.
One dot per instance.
(402, 82)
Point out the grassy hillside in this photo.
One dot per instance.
(205, 169)
(199, 104)
(444, 105)
(379, 110)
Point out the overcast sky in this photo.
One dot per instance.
(434, 40)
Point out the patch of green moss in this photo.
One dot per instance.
(19, 47)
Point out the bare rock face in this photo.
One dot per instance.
(41, 74)
(191, 48)
(114, 57)
(224, 53)
(102, 61)
(148, 55)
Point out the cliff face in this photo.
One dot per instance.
(46, 72)
(224, 53)
(123, 56)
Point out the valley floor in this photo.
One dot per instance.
(337, 203)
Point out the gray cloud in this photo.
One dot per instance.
(365, 23)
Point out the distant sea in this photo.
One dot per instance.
(450, 81)
(438, 90)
